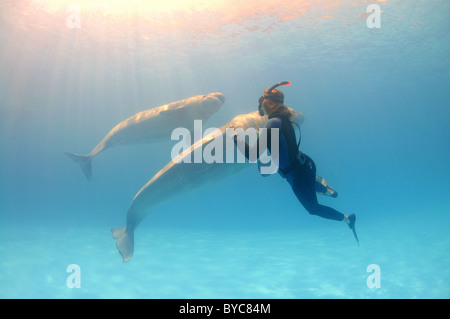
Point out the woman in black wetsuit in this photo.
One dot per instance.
(296, 167)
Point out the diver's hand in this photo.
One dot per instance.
(231, 131)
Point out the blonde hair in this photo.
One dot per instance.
(273, 108)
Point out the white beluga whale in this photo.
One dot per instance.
(180, 177)
(154, 125)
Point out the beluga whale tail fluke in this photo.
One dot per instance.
(125, 242)
(84, 161)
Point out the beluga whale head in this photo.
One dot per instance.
(208, 104)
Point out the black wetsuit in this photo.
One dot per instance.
(297, 168)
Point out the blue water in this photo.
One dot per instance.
(376, 112)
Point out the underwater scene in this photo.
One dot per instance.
(122, 169)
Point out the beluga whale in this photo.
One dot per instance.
(153, 125)
(180, 177)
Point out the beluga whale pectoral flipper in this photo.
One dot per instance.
(153, 125)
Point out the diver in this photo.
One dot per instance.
(296, 167)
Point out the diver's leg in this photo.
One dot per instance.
(323, 188)
(320, 188)
(304, 188)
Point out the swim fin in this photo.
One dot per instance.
(125, 242)
(351, 225)
(323, 188)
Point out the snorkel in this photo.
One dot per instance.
(269, 95)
